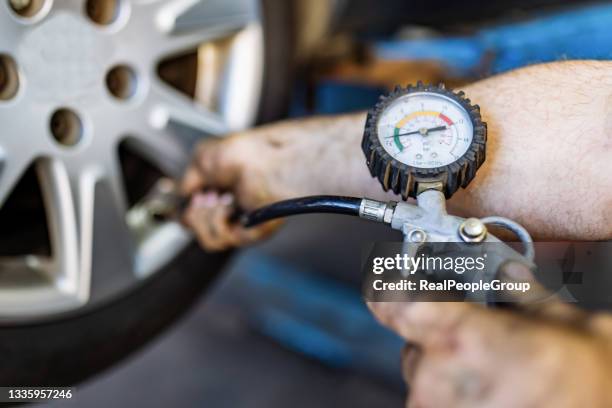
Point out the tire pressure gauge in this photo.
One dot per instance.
(424, 137)
(422, 141)
(425, 142)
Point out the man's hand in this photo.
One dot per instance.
(547, 161)
(227, 176)
(272, 163)
(464, 355)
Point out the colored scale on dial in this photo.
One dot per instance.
(398, 127)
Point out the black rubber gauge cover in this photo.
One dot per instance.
(404, 179)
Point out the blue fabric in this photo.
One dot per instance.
(582, 33)
(459, 55)
(315, 316)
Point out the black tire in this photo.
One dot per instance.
(70, 349)
(278, 17)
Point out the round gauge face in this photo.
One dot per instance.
(425, 130)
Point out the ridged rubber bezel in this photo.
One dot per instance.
(404, 179)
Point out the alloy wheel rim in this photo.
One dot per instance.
(85, 87)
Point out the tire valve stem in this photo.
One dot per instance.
(161, 203)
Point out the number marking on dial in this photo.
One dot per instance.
(424, 123)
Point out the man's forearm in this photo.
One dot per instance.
(322, 155)
(548, 159)
(549, 149)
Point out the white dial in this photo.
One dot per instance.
(425, 130)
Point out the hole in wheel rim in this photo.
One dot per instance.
(27, 8)
(66, 127)
(103, 12)
(9, 77)
(24, 220)
(121, 82)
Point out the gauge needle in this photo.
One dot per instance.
(422, 131)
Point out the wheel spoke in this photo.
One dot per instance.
(154, 138)
(113, 179)
(159, 148)
(54, 283)
(188, 23)
(100, 208)
(112, 265)
(56, 188)
(169, 106)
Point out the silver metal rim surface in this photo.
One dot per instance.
(62, 59)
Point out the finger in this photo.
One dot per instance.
(232, 234)
(210, 216)
(214, 165)
(601, 323)
(538, 302)
(254, 234)
(427, 323)
(411, 355)
(196, 218)
(450, 380)
(217, 161)
(203, 217)
(193, 181)
(221, 224)
(195, 176)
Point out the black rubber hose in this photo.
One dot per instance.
(303, 205)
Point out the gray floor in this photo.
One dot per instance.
(212, 358)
